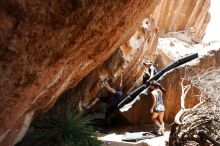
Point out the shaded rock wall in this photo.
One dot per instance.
(49, 46)
(127, 60)
(140, 47)
(178, 15)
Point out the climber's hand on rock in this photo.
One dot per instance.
(88, 107)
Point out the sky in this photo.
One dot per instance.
(213, 29)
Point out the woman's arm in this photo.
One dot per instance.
(162, 89)
(154, 103)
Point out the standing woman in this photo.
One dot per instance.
(157, 108)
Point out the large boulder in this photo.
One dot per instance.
(53, 47)
(49, 46)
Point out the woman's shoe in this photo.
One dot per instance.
(160, 132)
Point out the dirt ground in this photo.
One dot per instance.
(114, 136)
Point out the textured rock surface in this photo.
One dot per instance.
(186, 36)
(178, 15)
(169, 50)
(127, 60)
(49, 46)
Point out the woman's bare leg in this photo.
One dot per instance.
(161, 115)
(154, 119)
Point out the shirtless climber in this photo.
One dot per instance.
(150, 71)
(112, 100)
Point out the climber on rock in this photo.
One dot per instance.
(149, 72)
(112, 100)
(158, 108)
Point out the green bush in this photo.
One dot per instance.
(62, 126)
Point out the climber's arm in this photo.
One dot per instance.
(121, 81)
(110, 89)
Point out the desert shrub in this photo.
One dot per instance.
(61, 126)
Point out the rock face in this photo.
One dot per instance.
(174, 15)
(49, 46)
(53, 48)
(186, 36)
(127, 60)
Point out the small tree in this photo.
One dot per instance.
(184, 90)
(199, 125)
